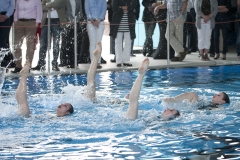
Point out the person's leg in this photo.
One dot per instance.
(21, 92)
(238, 43)
(132, 111)
(126, 49)
(225, 40)
(118, 48)
(216, 40)
(56, 39)
(91, 88)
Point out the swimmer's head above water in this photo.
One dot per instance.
(221, 98)
(169, 114)
(64, 109)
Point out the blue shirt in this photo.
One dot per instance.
(95, 9)
(7, 6)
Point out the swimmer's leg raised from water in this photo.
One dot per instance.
(132, 111)
(21, 92)
(90, 91)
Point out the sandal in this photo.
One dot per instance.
(202, 58)
(206, 57)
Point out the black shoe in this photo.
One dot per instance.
(55, 68)
(70, 66)
(149, 55)
(103, 61)
(127, 64)
(38, 68)
(133, 55)
(99, 67)
(16, 70)
(212, 55)
(62, 65)
(175, 59)
(119, 65)
(113, 60)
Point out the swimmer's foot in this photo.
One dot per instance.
(25, 70)
(98, 51)
(144, 67)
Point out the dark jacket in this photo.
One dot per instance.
(148, 16)
(110, 11)
(118, 13)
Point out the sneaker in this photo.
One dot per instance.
(38, 68)
(183, 55)
(16, 70)
(127, 64)
(133, 55)
(55, 68)
(175, 59)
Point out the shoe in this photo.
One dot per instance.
(99, 67)
(70, 66)
(16, 70)
(175, 59)
(103, 61)
(216, 56)
(113, 60)
(144, 53)
(38, 68)
(119, 65)
(148, 55)
(127, 64)
(55, 68)
(212, 55)
(183, 55)
(206, 57)
(133, 55)
(62, 65)
(202, 57)
(224, 57)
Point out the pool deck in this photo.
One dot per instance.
(191, 60)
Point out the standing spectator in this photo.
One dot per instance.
(149, 24)
(136, 14)
(176, 12)
(238, 30)
(161, 51)
(95, 11)
(6, 10)
(57, 16)
(83, 48)
(221, 19)
(27, 16)
(74, 8)
(206, 11)
(189, 29)
(123, 26)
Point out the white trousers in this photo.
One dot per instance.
(95, 35)
(204, 35)
(123, 52)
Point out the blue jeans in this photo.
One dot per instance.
(4, 32)
(223, 27)
(55, 36)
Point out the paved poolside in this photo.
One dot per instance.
(191, 60)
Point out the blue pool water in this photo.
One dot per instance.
(100, 131)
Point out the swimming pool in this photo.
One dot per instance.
(99, 130)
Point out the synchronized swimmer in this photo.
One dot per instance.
(90, 92)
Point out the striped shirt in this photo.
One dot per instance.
(124, 26)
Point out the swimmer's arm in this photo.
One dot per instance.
(21, 96)
(191, 96)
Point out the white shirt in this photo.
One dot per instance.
(53, 12)
(73, 4)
